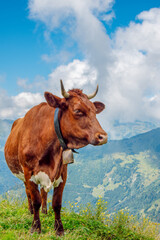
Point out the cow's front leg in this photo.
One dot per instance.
(30, 206)
(44, 201)
(57, 203)
(36, 202)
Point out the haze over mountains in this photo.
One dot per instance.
(126, 172)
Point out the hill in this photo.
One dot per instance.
(126, 173)
(126, 130)
(5, 126)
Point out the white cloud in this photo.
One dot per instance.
(77, 74)
(63, 57)
(79, 21)
(38, 84)
(134, 76)
(21, 82)
(27, 99)
(142, 36)
(128, 72)
(16, 106)
(53, 13)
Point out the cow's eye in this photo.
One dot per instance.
(78, 112)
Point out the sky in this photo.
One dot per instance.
(115, 44)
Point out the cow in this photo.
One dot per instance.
(34, 151)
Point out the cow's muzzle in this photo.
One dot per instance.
(100, 139)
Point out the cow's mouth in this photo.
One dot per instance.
(100, 139)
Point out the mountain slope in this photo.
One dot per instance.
(126, 173)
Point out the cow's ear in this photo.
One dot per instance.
(99, 107)
(55, 101)
(52, 100)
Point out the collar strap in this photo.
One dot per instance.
(58, 131)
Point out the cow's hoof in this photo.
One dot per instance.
(36, 227)
(60, 233)
(58, 226)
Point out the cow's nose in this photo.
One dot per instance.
(101, 138)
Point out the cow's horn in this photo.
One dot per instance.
(93, 94)
(63, 91)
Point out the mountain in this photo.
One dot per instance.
(7, 180)
(126, 173)
(5, 127)
(121, 130)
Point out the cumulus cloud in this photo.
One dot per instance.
(134, 77)
(26, 99)
(38, 84)
(126, 66)
(21, 82)
(53, 13)
(80, 22)
(16, 106)
(77, 74)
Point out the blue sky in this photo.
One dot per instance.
(22, 40)
(21, 45)
(41, 43)
(126, 11)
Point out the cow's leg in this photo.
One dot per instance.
(30, 205)
(57, 203)
(44, 201)
(36, 201)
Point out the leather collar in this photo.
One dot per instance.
(58, 131)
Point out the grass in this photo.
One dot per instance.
(89, 223)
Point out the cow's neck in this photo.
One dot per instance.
(58, 130)
(67, 153)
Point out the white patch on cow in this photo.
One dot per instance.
(57, 182)
(19, 175)
(43, 179)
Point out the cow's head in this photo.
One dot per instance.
(78, 122)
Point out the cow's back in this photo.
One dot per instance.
(29, 138)
(11, 147)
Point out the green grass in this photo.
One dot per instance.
(91, 222)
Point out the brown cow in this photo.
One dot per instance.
(33, 151)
